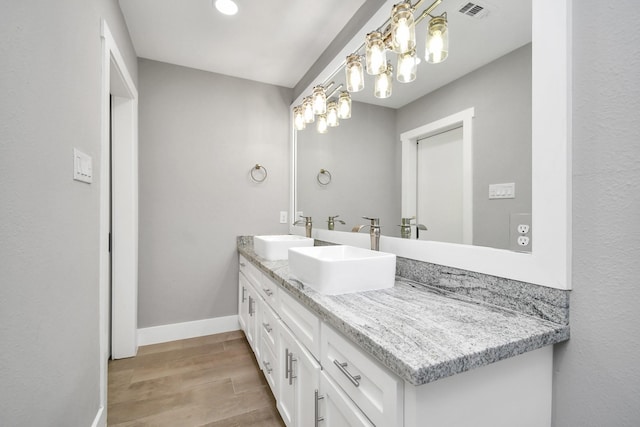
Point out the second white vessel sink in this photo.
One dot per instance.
(335, 270)
(273, 248)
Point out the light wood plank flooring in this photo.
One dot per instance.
(206, 381)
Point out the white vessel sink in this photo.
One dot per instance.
(273, 248)
(335, 270)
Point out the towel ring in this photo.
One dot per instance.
(324, 177)
(253, 170)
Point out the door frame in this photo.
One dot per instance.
(117, 81)
(409, 147)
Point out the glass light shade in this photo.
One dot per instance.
(354, 73)
(298, 118)
(307, 110)
(407, 67)
(437, 45)
(332, 114)
(319, 100)
(227, 7)
(321, 125)
(384, 83)
(375, 53)
(403, 28)
(344, 106)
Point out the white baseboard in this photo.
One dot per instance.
(180, 331)
(100, 420)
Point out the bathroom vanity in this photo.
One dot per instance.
(412, 355)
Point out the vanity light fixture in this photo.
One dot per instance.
(226, 7)
(298, 118)
(375, 53)
(344, 105)
(321, 125)
(354, 73)
(383, 84)
(319, 100)
(407, 66)
(332, 114)
(437, 45)
(307, 110)
(403, 28)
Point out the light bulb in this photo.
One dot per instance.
(226, 7)
(383, 83)
(375, 53)
(344, 106)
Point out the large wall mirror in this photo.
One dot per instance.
(495, 112)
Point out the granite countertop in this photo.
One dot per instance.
(419, 332)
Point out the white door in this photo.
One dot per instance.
(336, 409)
(440, 186)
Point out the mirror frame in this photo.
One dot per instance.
(549, 262)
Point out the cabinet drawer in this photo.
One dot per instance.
(269, 291)
(269, 365)
(250, 271)
(303, 323)
(269, 324)
(377, 391)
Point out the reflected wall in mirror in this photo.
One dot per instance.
(364, 156)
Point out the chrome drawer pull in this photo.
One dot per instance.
(242, 264)
(251, 312)
(286, 363)
(267, 367)
(291, 376)
(343, 368)
(268, 291)
(244, 290)
(267, 327)
(317, 397)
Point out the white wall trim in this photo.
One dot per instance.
(100, 420)
(180, 331)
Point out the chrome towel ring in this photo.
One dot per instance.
(324, 177)
(258, 173)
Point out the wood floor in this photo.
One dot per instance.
(206, 381)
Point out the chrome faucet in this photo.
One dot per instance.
(332, 222)
(405, 228)
(374, 232)
(307, 224)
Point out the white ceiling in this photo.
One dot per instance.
(273, 42)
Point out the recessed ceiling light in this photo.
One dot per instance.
(227, 7)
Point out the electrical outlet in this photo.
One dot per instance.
(523, 241)
(283, 217)
(523, 228)
(520, 232)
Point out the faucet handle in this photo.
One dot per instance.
(374, 221)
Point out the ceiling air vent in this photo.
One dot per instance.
(474, 10)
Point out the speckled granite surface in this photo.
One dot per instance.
(420, 332)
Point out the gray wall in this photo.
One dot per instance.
(360, 155)
(50, 80)
(500, 92)
(597, 374)
(200, 134)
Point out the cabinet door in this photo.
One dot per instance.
(298, 381)
(335, 409)
(243, 302)
(253, 315)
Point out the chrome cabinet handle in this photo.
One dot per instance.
(267, 367)
(291, 376)
(242, 264)
(317, 418)
(286, 363)
(267, 291)
(267, 327)
(343, 368)
(251, 306)
(244, 290)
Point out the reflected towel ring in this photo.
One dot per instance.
(324, 177)
(253, 173)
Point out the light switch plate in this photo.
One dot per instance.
(502, 191)
(82, 167)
